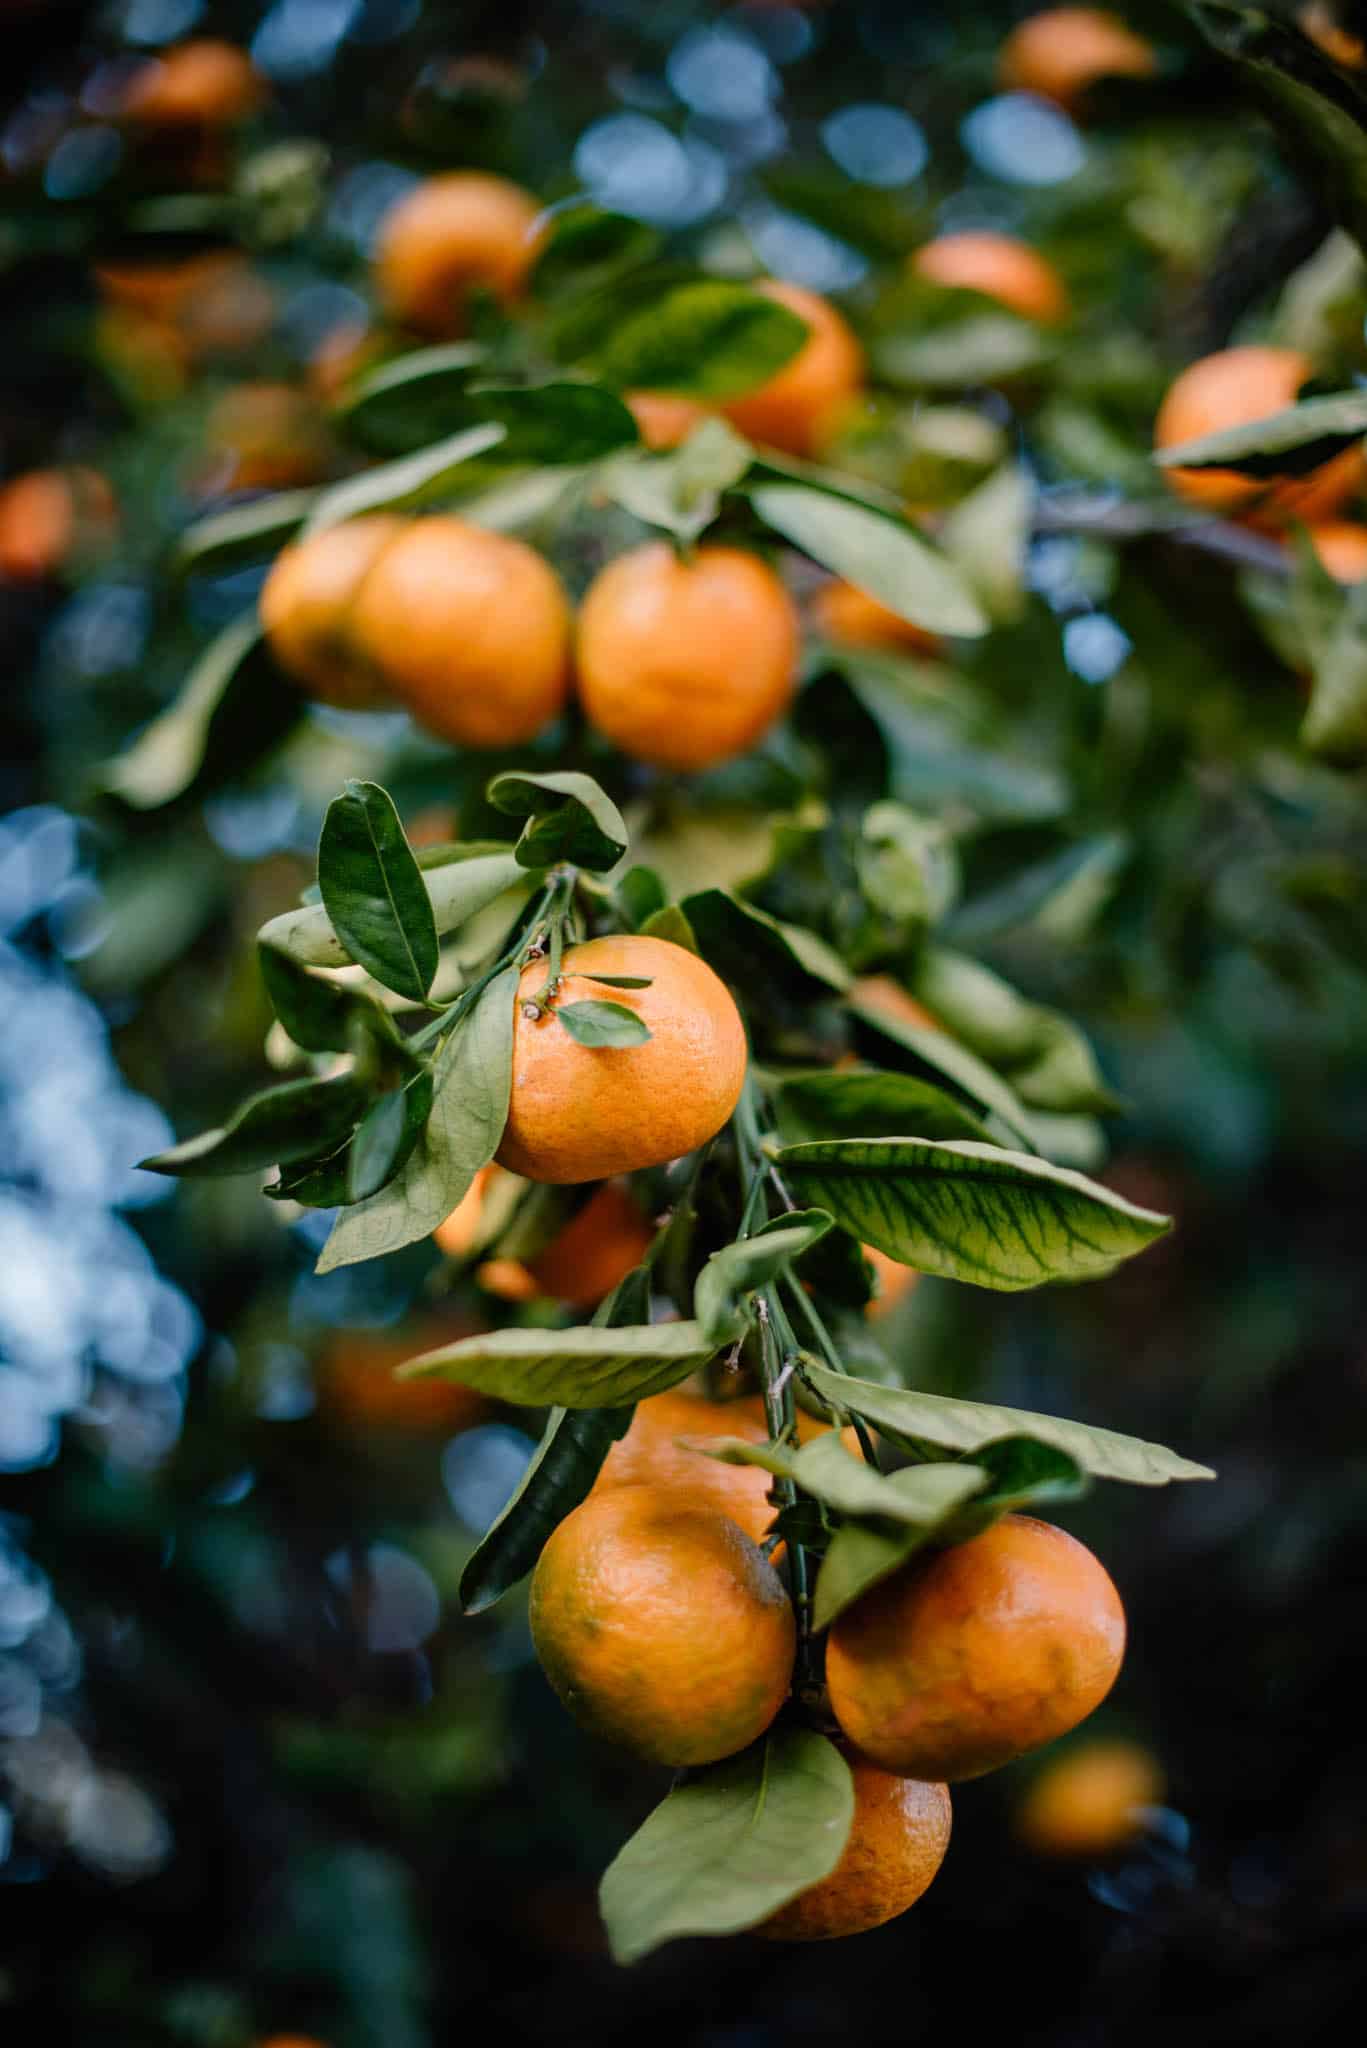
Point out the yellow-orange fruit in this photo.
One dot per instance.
(596, 1250)
(448, 234)
(264, 437)
(210, 303)
(976, 1654)
(306, 606)
(661, 1627)
(358, 1389)
(663, 418)
(897, 1843)
(1061, 52)
(851, 618)
(1318, 22)
(206, 83)
(895, 1281)
(470, 629)
(1001, 268)
(800, 406)
(456, 1235)
(47, 516)
(1341, 545)
(1233, 389)
(581, 1112)
(1089, 1801)
(686, 664)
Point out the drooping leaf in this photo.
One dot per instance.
(969, 1211)
(752, 1262)
(386, 1135)
(869, 1104)
(585, 245)
(602, 1024)
(413, 398)
(373, 890)
(580, 1368)
(944, 1057)
(681, 492)
(244, 532)
(867, 1549)
(1021, 1472)
(731, 1844)
(568, 818)
(879, 555)
(231, 710)
(831, 1474)
(458, 891)
(318, 1014)
(404, 485)
(966, 1427)
(754, 950)
(564, 1466)
(1310, 433)
(299, 1120)
(706, 338)
(471, 1082)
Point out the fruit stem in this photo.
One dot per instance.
(780, 1414)
(829, 1352)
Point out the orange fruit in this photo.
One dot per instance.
(1341, 545)
(1088, 1801)
(656, 1452)
(1318, 22)
(970, 1656)
(345, 352)
(448, 234)
(686, 663)
(357, 1387)
(1233, 388)
(582, 1264)
(851, 618)
(264, 437)
(456, 1235)
(664, 419)
(662, 1627)
(895, 1281)
(306, 606)
(209, 303)
(581, 1112)
(897, 1843)
(206, 83)
(1001, 268)
(1060, 53)
(470, 629)
(887, 998)
(47, 516)
(800, 406)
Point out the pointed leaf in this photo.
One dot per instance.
(602, 1024)
(681, 492)
(244, 532)
(970, 1211)
(373, 890)
(752, 1262)
(1315, 431)
(824, 1468)
(458, 891)
(568, 818)
(748, 947)
(946, 1059)
(318, 1014)
(231, 710)
(969, 1426)
(878, 555)
(581, 1368)
(386, 1135)
(869, 1548)
(412, 481)
(300, 1120)
(731, 1844)
(704, 339)
(869, 1104)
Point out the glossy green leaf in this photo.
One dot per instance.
(706, 339)
(243, 533)
(824, 1468)
(869, 1548)
(681, 492)
(755, 951)
(602, 1024)
(373, 890)
(579, 1368)
(298, 1120)
(568, 817)
(585, 245)
(458, 890)
(642, 893)
(557, 423)
(471, 1082)
(414, 398)
(969, 1211)
(671, 924)
(1021, 1472)
(944, 1057)
(879, 555)
(966, 1427)
(318, 1014)
(731, 1844)
(869, 1104)
(752, 1262)
(407, 484)
(232, 709)
(1314, 432)
(386, 1135)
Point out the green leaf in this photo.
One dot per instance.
(373, 890)
(586, 1367)
(602, 1024)
(1022, 1472)
(866, 1550)
(945, 1057)
(1042, 1053)
(879, 555)
(585, 245)
(1335, 724)
(1061, 1077)
(557, 423)
(414, 398)
(748, 947)
(967, 1427)
(1315, 430)
(471, 1082)
(243, 533)
(458, 891)
(738, 1269)
(969, 1211)
(671, 924)
(620, 980)
(831, 1474)
(682, 491)
(412, 481)
(300, 1120)
(1061, 895)
(869, 1104)
(984, 348)
(386, 1135)
(731, 1844)
(642, 894)
(704, 339)
(319, 1015)
(568, 817)
(231, 710)
(987, 534)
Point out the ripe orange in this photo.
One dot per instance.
(263, 437)
(664, 419)
(851, 618)
(897, 1843)
(1060, 53)
(1341, 545)
(306, 607)
(1087, 1802)
(1231, 389)
(972, 1655)
(448, 234)
(655, 1452)
(686, 663)
(895, 1281)
(470, 629)
(357, 1387)
(456, 1235)
(582, 1264)
(47, 516)
(662, 1627)
(1318, 22)
(206, 83)
(582, 1112)
(210, 303)
(800, 406)
(999, 267)
(345, 352)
